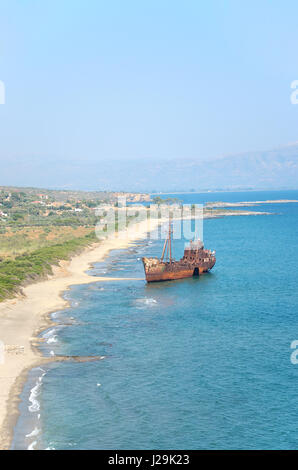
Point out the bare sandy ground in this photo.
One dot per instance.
(21, 319)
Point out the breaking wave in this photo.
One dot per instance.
(50, 336)
(146, 301)
(34, 433)
(32, 445)
(35, 392)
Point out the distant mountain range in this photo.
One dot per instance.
(274, 169)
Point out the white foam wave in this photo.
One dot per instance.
(147, 301)
(49, 333)
(52, 339)
(32, 445)
(35, 432)
(50, 336)
(34, 393)
(35, 405)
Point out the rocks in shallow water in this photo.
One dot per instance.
(76, 358)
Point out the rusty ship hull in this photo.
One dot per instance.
(172, 271)
(196, 261)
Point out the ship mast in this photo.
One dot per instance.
(168, 245)
(170, 241)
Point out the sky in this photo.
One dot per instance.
(112, 80)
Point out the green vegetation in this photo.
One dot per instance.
(169, 200)
(40, 227)
(29, 267)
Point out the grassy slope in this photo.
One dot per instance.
(23, 240)
(29, 267)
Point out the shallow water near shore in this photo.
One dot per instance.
(201, 363)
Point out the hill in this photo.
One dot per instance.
(272, 169)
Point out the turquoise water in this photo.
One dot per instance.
(200, 363)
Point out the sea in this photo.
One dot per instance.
(200, 363)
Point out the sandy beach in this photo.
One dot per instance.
(22, 319)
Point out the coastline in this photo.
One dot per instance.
(24, 317)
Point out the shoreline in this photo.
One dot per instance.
(23, 318)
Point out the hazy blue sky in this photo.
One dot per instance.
(159, 78)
